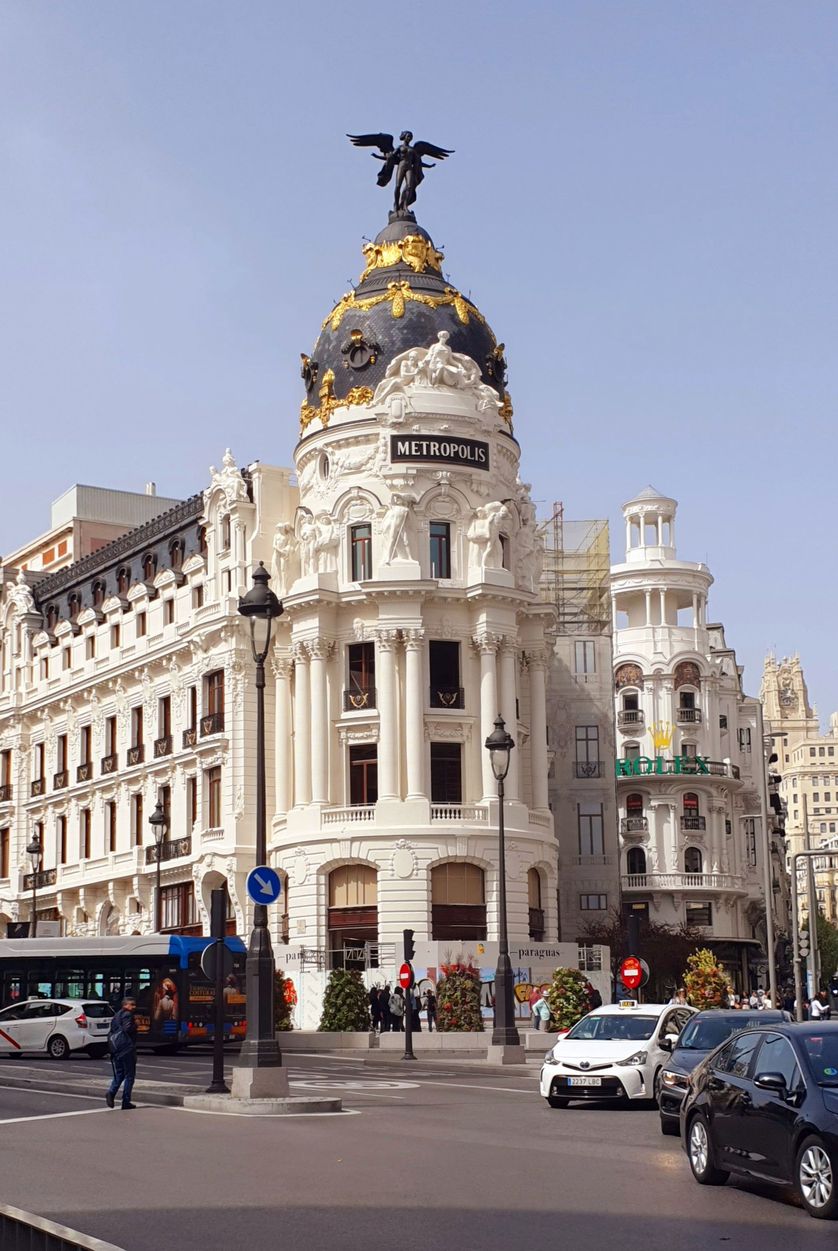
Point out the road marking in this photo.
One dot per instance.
(339, 1083)
(52, 1116)
(268, 1116)
(510, 1090)
(57, 1094)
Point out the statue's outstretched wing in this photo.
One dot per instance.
(384, 142)
(386, 153)
(430, 149)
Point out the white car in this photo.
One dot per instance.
(615, 1052)
(56, 1026)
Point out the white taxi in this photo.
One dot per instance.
(615, 1052)
(56, 1026)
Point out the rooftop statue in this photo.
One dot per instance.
(405, 160)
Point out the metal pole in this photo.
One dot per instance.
(505, 1033)
(158, 897)
(34, 926)
(812, 962)
(795, 926)
(767, 872)
(218, 919)
(260, 1048)
(408, 1021)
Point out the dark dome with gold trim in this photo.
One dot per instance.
(402, 301)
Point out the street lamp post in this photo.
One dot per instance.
(500, 744)
(159, 824)
(35, 853)
(260, 1050)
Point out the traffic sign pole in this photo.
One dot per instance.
(406, 980)
(218, 920)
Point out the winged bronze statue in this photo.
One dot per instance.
(405, 160)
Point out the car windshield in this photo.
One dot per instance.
(822, 1053)
(611, 1027)
(703, 1033)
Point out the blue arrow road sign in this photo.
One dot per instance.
(264, 885)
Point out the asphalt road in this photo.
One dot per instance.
(425, 1156)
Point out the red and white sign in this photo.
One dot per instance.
(406, 976)
(631, 972)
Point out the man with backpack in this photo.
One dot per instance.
(122, 1045)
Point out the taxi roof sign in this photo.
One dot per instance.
(628, 1003)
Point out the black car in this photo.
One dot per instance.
(765, 1104)
(702, 1034)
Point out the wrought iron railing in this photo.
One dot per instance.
(60, 779)
(190, 737)
(212, 723)
(136, 754)
(589, 768)
(688, 716)
(44, 877)
(38, 787)
(693, 823)
(6, 793)
(163, 746)
(172, 849)
(359, 698)
(84, 773)
(634, 825)
(447, 697)
(109, 763)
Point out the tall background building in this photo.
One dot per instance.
(575, 581)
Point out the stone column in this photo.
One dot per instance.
(319, 652)
(282, 723)
(302, 727)
(385, 681)
(648, 606)
(487, 646)
(509, 712)
(414, 643)
(538, 728)
(662, 594)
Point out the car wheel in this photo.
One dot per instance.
(557, 1101)
(656, 1089)
(58, 1048)
(669, 1126)
(700, 1152)
(816, 1176)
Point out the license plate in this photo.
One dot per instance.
(584, 1081)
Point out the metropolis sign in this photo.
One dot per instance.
(423, 448)
(626, 768)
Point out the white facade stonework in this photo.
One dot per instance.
(693, 806)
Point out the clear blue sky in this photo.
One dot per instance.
(642, 201)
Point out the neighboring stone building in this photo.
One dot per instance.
(807, 761)
(580, 717)
(408, 560)
(691, 769)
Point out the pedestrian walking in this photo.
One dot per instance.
(535, 1019)
(819, 1009)
(375, 1009)
(386, 1015)
(415, 1008)
(122, 1044)
(397, 1010)
(543, 1010)
(430, 1008)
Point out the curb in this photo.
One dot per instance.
(53, 1237)
(160, 1098)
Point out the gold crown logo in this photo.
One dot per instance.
(661, 732)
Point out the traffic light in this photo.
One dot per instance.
(803, 944)
(409, 948)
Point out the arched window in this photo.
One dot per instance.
(634, 805)
(202, 540)
(690, 803)
(149, 566)
(353, 915)
(458, 902)
(693, 861)
(535, 905)
(636, 862)
(98, 593)
(123, 581)
(225, 534)
(74, 605)
(631, 700)
(176, 554)
(691, 818)
(631, 751)
(52, 617)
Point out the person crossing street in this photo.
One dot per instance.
(122, 1044)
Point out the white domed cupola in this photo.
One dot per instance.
(650, 526)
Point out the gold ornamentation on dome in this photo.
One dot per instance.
(329, 402)
(399, 294)
(413, 250)
(505, 410)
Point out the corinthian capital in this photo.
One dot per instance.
(413, 639)
(386, 639)
(487, 643)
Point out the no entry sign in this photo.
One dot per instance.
(406, 976)
(631, 972)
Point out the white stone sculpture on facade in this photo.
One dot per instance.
(484, 533)
(395, 530)
(285, 562)
(307, 532)
(326, 544)
(437, 367)
(21, 596)
(228, 480)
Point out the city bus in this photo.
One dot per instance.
(161, 971)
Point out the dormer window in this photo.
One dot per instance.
(74, 606)
(98, 594)
(52, 617)
(149, 567)
(176, 555)
(123, 581)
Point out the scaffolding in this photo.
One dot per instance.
(575, 577)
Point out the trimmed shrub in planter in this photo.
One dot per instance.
(705, 980)
(285, 999)
(458, 1000)
(345, 1003)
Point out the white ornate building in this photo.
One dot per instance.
(691, 769)
(407, 557)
